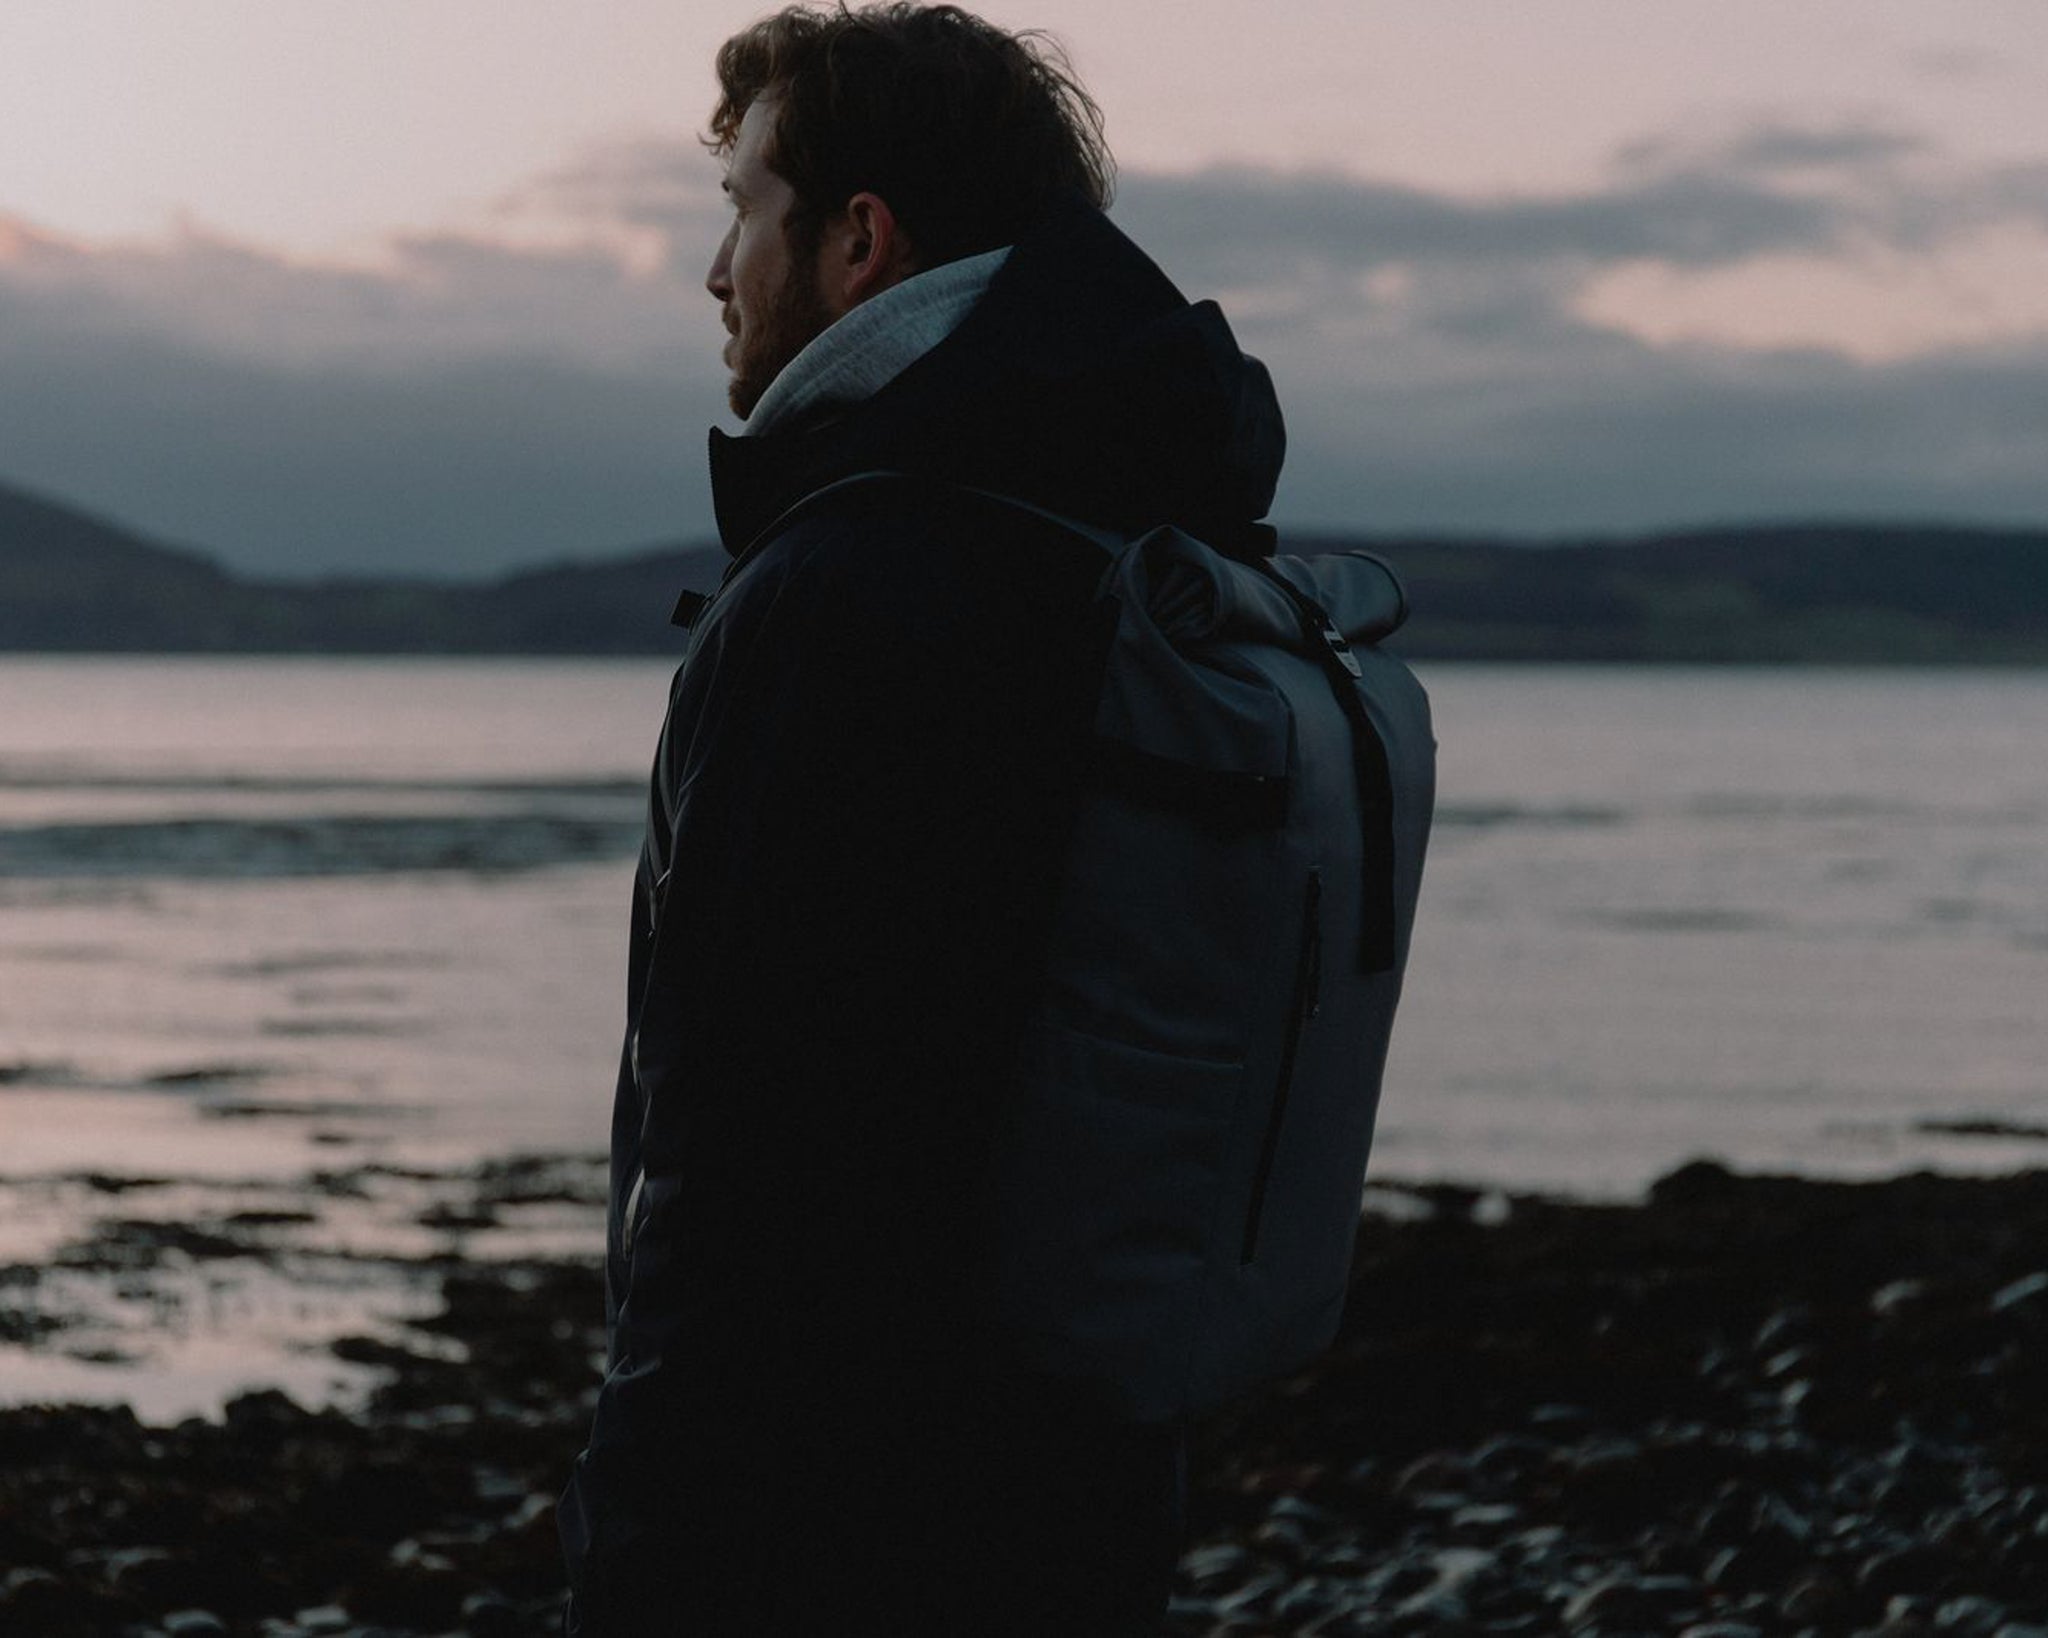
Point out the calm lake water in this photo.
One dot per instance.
(266, 918)
(252, 911)
(1776, 916)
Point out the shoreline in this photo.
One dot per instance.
(1748, 1404)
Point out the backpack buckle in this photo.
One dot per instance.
(1334, 640)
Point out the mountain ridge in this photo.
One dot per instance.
(1816, 591)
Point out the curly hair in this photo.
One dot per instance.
(968, 132)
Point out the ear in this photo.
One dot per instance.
(864, 252)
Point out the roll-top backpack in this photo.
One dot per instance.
(1181, 1162)
(1180, 1177)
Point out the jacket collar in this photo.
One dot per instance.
(852, 360)
(1082, 382)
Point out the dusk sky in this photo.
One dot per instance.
(323, 285)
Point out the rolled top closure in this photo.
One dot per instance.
(1196, 597)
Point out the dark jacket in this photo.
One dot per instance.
(862, 792)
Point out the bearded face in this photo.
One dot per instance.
(765, 276)
(769, 331)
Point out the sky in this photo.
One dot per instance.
(327, 286)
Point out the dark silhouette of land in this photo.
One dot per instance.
(1821, 593)
(70, 582)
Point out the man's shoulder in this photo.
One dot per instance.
(884, 509)
(858, 519)
(881, 538)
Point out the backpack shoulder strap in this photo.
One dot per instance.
(1324, 643)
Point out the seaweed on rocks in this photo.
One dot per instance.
(430, 1511)
(1747, 1406)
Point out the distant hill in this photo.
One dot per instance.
(71, 582)
(1807, 593)
(1819, 593)
(67, 580)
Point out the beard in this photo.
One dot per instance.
(768, 341)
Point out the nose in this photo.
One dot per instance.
(719, 280)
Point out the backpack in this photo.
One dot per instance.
(1180, 1169)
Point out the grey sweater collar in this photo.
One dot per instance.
(853, 359)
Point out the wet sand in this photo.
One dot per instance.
(1747, 1405)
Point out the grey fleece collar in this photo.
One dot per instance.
(870, 346)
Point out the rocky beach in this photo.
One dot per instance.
(1744, 1405)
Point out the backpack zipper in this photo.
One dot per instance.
(1305, 1003)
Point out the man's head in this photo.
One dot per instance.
(865, 146)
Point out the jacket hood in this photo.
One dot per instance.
(1082, 382)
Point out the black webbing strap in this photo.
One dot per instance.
(1332, 654)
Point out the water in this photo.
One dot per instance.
(1778, 916)
(260, 919)
(294, 943)
(1782, 917)
(379, 900)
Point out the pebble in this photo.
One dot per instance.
(1898, 1296)
(1509, 1455)
(1628, 1601)
(1255, 1597)
(1284, 1539)
(1753, 1567)
(1454, 1576)
(1560, 1417)
(1439, 1473)
(1787, 1323)
(2029, 1294)
(486, 1615)
(1214, 1562)
(1785, 1362)
(130, 1564)
(1969, 1615)
(1307, 1598)
(1916, 1569)
(1485, 1520)
(1346, 1621)
(193, 1624)
(1819, 1599)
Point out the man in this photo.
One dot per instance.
(873, 756)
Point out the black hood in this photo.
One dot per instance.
(1082, 382)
